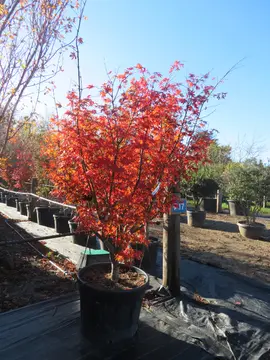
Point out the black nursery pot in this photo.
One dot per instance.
(148, 262)
(10, 201)
(109, 316)
(17, 204)
(61, 223)
(2, 196)
(196, 218)
(45, 215)
(22, 207)
(81, 239)
(209, 205)
(31, 212)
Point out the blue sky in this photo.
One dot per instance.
(204, 35)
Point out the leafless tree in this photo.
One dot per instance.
(33, 36)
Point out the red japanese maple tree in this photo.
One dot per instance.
(19, 167)
(118, 157)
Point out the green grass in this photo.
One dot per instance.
(265, 211)
(190, 203)
(225, 206)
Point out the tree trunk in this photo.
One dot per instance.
(34, 184)
(115, 270)
(171, 253)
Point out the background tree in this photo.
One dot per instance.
(248, 183)
(33, 36)
(219, 156)
(23, 156)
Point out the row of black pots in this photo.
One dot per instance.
(8, 200)
(52, 217)
(107, 316)
(49, 217)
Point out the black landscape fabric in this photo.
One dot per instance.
(226, 314)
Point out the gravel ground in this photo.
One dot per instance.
(26, 277)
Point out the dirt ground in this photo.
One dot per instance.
(219, 244)
(25, 276)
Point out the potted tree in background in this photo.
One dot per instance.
(233, 189)
(117, 158)
(248, 183)
(219, 156)
(209, 188)
(200, 189)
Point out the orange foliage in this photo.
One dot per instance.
(109, 155)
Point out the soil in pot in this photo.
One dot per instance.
(209, 205)
(251, 231)
(196, 218)
(110, 311)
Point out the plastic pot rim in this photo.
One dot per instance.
(61, 216)
(244, 224)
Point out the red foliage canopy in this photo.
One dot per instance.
(109, 155)
(19, 167)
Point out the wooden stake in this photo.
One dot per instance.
(171, 253)
(165, 268)
(34, 184)
(174, 283)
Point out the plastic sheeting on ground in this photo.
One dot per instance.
(226, 314)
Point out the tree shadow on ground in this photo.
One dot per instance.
(232, 267)
(152, 344)
(28, 284)
(59, 336)
(221, 226)
(224, 226)
(243, 300)
(215, 225)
